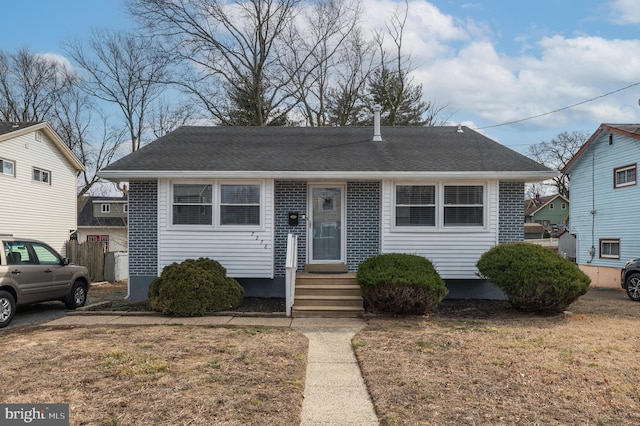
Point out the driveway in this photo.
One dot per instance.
(36, 314)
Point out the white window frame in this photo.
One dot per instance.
(625, 169)
(207, 226)
(218, 205)
(13, 167)
(41, 175)
(215, 205)
(609, 241)
(105, 208)
(439, 213)
(396, 205)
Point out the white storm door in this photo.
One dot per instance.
(326, 226)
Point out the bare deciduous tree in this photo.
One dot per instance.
(390, 85)
(231, 48)
(318, 47)
(31, 85)
(125, 70)
(557, 153)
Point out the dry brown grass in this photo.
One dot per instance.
(507, 368)
(467, 364)
(158, 375)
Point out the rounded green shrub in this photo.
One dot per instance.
(400, 283)
(533, 277)
(194, 287)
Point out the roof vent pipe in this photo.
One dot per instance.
(377, 137)
(460, 129)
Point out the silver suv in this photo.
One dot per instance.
(31, 272)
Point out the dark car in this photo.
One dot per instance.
(32, 272)
(630, 279)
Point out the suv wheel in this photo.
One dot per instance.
(77, 297)
(7, 308)
(633, 287)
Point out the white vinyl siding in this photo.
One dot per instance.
(453, 250)
(246, 252)
(44, 212)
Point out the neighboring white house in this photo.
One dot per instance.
(604, 198)
(104, 219)
(234, 193)
(38, 183)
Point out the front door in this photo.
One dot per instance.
(326, 224)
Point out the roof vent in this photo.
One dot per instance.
(460, 129)
(377, 137)
(15, 125)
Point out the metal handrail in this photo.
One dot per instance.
(291, 266)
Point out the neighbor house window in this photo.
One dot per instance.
(415, 205)
(610, 249)
(126, 208)
(105, 208)
(625, 176)
(464, 205)
(552, 206)
(104, 239)
(7, 167)
(563, 206)
(239, 204)
(43, 176)
(192, 204)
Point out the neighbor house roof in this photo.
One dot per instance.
(12, 129)
(308, 152)
(630, 130)
(532, 205)
(86, 217)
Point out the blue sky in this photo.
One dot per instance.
(490, 61)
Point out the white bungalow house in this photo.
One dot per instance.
(38, 183)
(604, 194)
(233, 194)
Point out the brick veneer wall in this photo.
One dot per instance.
(511, 212)
(143, 228)
(290, 196)
(363, 222)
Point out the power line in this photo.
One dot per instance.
(557, 110)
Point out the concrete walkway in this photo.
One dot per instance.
(334, 393)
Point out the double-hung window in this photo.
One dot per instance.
(415, 205)
(439, 206)
(625, 176)
(239, 204)
(464, 205)
(192, 204)
(7, 167)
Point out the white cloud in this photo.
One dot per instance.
(458, 64)
(625, 11)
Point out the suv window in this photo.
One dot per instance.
(17, 253)
(46, 256)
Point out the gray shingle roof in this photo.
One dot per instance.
(86, 217)
(337, 149)
(12, 126)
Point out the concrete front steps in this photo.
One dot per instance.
(326, 295)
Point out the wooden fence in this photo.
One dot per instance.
(88, 254)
